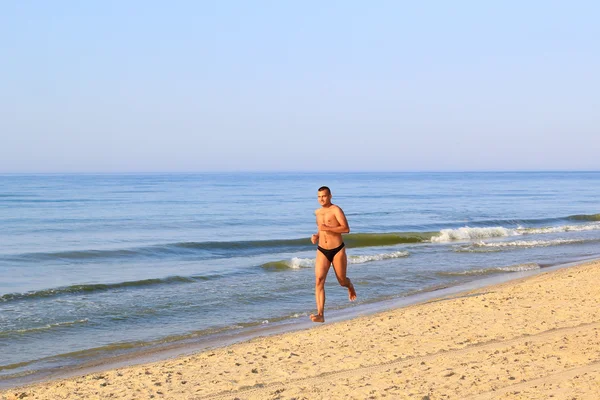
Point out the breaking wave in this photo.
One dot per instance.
(467, 233)
(472, 233)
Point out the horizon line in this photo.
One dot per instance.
(298, 172)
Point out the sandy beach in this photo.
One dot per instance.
(533, 338)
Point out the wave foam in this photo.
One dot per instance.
(483, 247)
(495, 270)
(466, 233)
(470, 234)
(376, 257)
(528, 243)
(298, 263)
(563, 228)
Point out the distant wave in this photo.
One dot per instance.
(243, 244)
(75, 255)
(351, 240)
(48, 327)
(385, 239)
(297, 263)
(92, 288)
(212, 249)
(165, 250)
(493, 270)
(222, 249)
(585, 217)
(29, 200)
(3, 195)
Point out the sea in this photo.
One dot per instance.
(94, 266)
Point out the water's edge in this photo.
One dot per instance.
(188, 347)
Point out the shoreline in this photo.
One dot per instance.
(186, 354)
(165, 351)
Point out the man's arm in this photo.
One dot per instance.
(315, 238)
(343, 223)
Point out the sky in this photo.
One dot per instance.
(194, 86)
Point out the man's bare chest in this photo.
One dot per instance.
(328, 218)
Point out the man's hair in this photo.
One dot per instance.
(322, 188)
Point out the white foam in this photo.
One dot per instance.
(527, 243)
(466, 233)
(486, 271)
(377, 257)
(520, 267)
(297, 263)
(563, 228)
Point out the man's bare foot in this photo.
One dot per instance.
(317, 318)
(351, 291)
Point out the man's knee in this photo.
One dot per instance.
(320, 280)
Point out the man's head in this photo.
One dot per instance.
(324, 196)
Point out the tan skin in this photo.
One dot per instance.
(331, 223)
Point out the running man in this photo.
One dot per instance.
(331, 223)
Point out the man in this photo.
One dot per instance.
(331, 223)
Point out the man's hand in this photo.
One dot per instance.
(314, 238)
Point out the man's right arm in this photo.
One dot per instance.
(315, 238)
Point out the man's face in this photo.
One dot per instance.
(324, 197)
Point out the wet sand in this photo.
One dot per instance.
(533, 338)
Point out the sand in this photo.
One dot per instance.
(534, 338)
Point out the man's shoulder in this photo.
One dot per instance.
(336, 207)
(326, 210)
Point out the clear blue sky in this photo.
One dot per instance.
(128, 86)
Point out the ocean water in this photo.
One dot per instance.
(97, 265)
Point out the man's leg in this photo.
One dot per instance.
(340, 265)
(321, 268)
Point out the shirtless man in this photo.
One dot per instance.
(331, 223)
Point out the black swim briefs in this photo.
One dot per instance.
(330, 253)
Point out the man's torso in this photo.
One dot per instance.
(328, 239)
